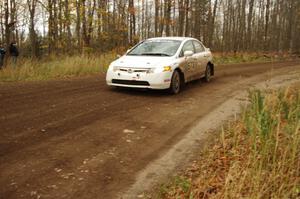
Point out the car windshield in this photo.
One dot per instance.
(156, 48)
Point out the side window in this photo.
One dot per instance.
(198, 47)
(188, 46)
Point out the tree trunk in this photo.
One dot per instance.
(156, 22)
(78, 24)
(167, 16)
(186, 10)
(32, 34)
(249, 24)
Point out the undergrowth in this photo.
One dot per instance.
(255, 157)
(235, 58)
(54, 67)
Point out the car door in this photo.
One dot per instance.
(200, 55)
(188, 63)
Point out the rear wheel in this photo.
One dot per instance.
(175, 83)
(208, 73)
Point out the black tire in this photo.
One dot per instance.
(208, 74)
(176, 83)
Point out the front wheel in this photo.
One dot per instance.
(175, 83)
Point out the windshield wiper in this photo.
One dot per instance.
(155, 54)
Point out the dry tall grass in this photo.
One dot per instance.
(248, 57)
(56, 67)
(81, 65)
(257, 157)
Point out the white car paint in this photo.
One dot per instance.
(148, 71)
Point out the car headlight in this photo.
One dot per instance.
(167, 69)
(163, 69)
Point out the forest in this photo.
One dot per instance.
(81, 118)
(43, 27)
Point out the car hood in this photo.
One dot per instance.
(143, 61)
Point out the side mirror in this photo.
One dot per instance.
(207, 49)
(188, 53)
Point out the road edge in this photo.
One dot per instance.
(182, 151)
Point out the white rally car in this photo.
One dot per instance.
(162, 63)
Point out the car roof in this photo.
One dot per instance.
(171, 38)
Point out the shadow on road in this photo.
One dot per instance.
(158, 93)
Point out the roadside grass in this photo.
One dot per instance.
(235, 58)
(257, 156)
(56, 67)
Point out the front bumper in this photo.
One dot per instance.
(139, 80)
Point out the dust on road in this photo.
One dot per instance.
(80, 139)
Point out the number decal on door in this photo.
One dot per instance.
(190, 66)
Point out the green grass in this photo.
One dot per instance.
(255, 157)
(56, 67)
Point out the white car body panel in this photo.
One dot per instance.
(133, 71)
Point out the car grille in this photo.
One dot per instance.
(130, 82)
(135, 70)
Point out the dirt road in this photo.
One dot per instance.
(80, 139)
